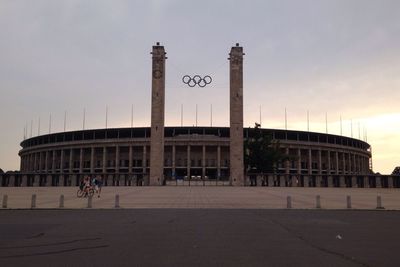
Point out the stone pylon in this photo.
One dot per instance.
(236, 115)
(157, 116)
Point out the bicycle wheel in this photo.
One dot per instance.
(90, 192)
(80, 193)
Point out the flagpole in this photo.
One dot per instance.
(106, 116)
(285, 119)
(196, 115)
(132, 116)
(84, 118)
(326, 122)
(50, 123)
(39, 127)
(308, 121)
(211, 114)
(351, 127)
(181, 115)
(65, 120)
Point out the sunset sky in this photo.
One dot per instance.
(340, 58)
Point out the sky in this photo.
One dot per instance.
(335, 59)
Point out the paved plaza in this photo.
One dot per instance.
(204, 197)
(198, 237)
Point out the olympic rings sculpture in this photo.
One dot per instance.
(196, 80)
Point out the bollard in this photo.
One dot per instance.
(379, 203)
(33, 201)
(89, 202)
(5, 200)
(348, 202)
(61, 201)
(318, 206)
(289, 202)
(116, 201)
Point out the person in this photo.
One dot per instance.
(98, 183)
(86, 185)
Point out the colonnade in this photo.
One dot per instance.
(270, 180)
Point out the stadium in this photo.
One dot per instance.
(160, 155)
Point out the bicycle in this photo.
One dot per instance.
(82, 192)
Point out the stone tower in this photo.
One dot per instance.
(157, 116)
(236, 115)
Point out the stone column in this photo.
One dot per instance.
(378, 181)
(342, 181)
(236, 116)
(337, 162)
(299, 161)
(390, 181)
(174, 161)
(61, 161)
(53, 163)
(362, 165)
(157, 116)
(81, 161)
(218, 162)
(328, 169)
(71, 160)
(366, 182)
(24, 181)
(46, 164)
(104, 165)
(49, 179)
(188, 162)
(354, 181)
(21, 165)
(61, 181)
(117, 150)
(318, 181)
(92, 150)
(203, 162)
(35, 162)
(309, 162)
(282, 181)
(11, 181)
(349, 160)
(306, 180)
(144, 163)
(344, 162)
(270, 180)
(40, 161)
(319, 161)
(329, 179)
(287, 166)
(130, 170)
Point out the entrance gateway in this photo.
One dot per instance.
(236, 163)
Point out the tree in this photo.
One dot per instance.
(262, 154)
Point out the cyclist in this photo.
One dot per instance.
(86, 187)
(98, 183)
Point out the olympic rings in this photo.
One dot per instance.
(196, 80)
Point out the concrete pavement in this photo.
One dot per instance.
(210, 197)
(198, 237)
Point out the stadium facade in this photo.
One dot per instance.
(159, 155)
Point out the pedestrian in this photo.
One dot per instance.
(98, 184)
